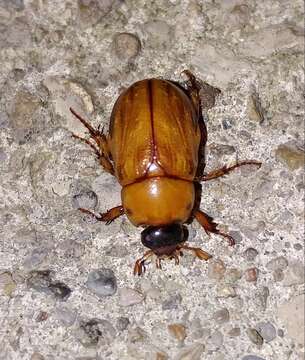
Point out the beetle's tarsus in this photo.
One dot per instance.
(100, 139)
(139, 266)
(108, 216)
(225, 169)
(210, 226)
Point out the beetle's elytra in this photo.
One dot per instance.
(155, 149)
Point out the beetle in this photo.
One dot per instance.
(155, 149)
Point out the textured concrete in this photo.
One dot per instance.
(247, 302)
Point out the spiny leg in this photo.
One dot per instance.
(202, 255)
(108, 216)
(139, 267)
(210, 226)
(225, 170)
(100, 139)
(193, 86)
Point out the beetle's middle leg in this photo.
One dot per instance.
(225, 170)
(210, 226)
(108, 216)
(102, 149)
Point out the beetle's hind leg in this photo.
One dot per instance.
(210, 226)
(101, 150)
(225, 170)
(108, 216)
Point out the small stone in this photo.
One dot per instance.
(278, 275)
(65, 315)
(192, 352)
(291, 313)
(267, 331)
(251, 274)
(122, 323)
(22, 115)
(252, 357)
(87, 199)
(279, 263)
(126, 46)
(216, 269)
(95, 332)
(128, 297)
(290, 155)
(60, 290)
(226, 291)
(7, 284)
(102, 282)
(255, 337)
(250, 254)
(160, 33)
(221, 316)
(232, 275)
(234, 332)
(298, 246)
(215, 341)
(37, 356)
(294, 275)
(41, 281)
(42, 316)
(172, 302)
(221, 149)
(36, 257)
(254, 108)
(178, 331)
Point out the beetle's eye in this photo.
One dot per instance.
(154, 237)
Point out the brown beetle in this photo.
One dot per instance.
(155, 149)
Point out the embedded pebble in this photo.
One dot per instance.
(295, 274)
(251, 274)
(37, 356)
(250, 254)
(160, 33)
(226, 291)
(126, 46)
(291, 313)
(178, 331)
(102, 282)
(87, 199)
(252, 357)
(278, 275)
(234, 332)
(129, 297)
(254, 336)
(232, 275)
(215, 341)
(65, 315)
(221, 316)
(291, 155)
(172, 302)
(122, 323)
(266, 330)
(41, 281)
(279, 263)
(95, 332)
(192, 352)
(216, 269)
(7, 284)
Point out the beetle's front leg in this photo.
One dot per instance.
(108, 216)
(225, 170)
(210, 226)
(102, 149)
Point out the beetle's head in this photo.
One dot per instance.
(163, 240)
(166, 241)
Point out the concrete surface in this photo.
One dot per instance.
(248, 301)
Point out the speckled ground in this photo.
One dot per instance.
(66, 284)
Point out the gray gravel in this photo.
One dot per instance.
(66, 284)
